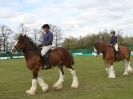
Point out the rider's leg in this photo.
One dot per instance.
(45, 49)
(116, 49)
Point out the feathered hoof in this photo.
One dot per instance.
(57, 88)
(75, 85)
(125, 73)
(111, 77)
(45, 89)
(130, 70)
(28, 92)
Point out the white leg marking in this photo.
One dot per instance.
(58, 85)
(111, 72)
(42, 84)
(107, 70)
(33, 88)
(128, 68)
(75, 83)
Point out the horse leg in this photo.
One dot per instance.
(75, 82)
(128, 68)
(33, 88)
(111, 73)
(106, 67)
(58, 85)
(42, 84)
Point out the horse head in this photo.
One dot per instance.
(19, 44)
(100, 46)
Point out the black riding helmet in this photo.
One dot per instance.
(46, 26)
(112, 32)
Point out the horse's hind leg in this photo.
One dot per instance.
(75, 82)
(128, 68)
(58, 85)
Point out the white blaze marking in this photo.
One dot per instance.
(95, 49)
(15, 44)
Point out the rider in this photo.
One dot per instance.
(46, 43)
(114, 42)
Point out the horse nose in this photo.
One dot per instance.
(13, 50)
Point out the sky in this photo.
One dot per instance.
(74, 17)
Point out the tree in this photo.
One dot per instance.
(23, 29)
(5, 31)
(57, 35)
(70, 43)
(0, 43)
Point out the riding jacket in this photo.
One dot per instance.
(47, 39)
(113, 40)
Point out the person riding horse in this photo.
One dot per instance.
(114, 43)
(46, 43)
(58, 57)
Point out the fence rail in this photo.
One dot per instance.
(9, 55)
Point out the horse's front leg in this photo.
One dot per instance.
(106, 66)
(42, 84)
(33, 88)
(111, 73)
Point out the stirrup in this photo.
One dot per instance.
(45, 67)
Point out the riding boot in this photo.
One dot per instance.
(117, 54)
(46, 66)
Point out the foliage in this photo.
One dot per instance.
(89, 40)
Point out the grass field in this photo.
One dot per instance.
(15, 78)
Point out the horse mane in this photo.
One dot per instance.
(28, 40)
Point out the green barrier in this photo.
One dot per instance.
(75, 52)
(8, 55)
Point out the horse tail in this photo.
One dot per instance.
(129, 55)
(72, 60)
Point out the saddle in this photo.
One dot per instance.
(117, 54)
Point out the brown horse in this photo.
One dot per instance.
(34, 61)
(109, 57)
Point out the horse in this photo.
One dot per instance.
(34, 61)
(109, 57)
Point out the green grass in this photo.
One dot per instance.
(15, 78)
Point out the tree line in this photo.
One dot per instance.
(8, 37)
(88, 41)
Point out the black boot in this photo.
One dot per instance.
(46, 66)
(117, 55)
